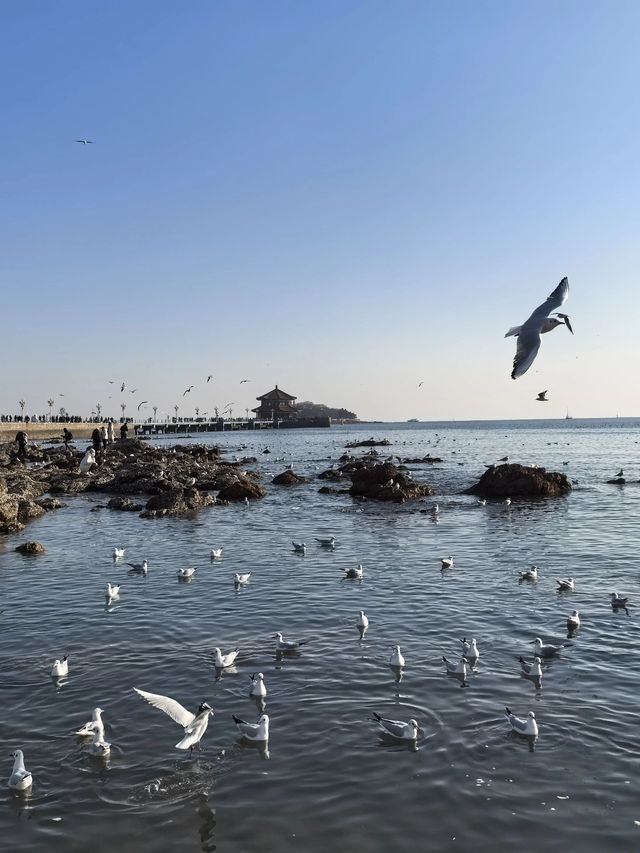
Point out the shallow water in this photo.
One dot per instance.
(329, 780)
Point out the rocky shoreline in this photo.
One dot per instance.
(184, 479)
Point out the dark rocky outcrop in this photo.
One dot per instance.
(329, 490)
(124, 504)
(369, 442)
(9, 522)
(177, 502)
(241, 488)
(382, 481)
(617, 481)
(424, 460)
(31, 548)
(288, 478)
(49, 504)
(503, 481)
(333, 474)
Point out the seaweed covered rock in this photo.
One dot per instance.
(515, 481)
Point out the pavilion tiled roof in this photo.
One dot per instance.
(276, 394)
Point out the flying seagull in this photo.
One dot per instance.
(538, 323)
(132, 390)
(184, 393)
(84, 141)
(142, 404)
(123, 386)
(242, 381)
(194, 725)
(542, 397)
(420, 384)
(209, 377)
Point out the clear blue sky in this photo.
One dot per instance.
(346, 198)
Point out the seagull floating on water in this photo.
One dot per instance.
(216, 553)
(527, 727)
(354, 574)
(20, 778)
(529, 574)
(139, 568)
(507, 502)
(187, 573)
(545, 650)
(573, 621)
(242, 577)
(327, 543)
(470, 649)
(194, 725)
(363, 621)
(118, 552)
(226, 659)
(253, 731)
(398, 729)
(447, 562)
(89, 728)
(299, 547)
(112, 591)
(258, 687)
(566, 585)
(618, 601)
(533, 669)
(60, 668)
(99, 747)
(397, 658)
(283, 645)
(459, 668)
(538, 323)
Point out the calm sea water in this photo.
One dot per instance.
(330, 782)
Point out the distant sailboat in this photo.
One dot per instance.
(568, 417)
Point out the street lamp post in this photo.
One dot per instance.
(50, 403)
(22, 404)
(123, 406)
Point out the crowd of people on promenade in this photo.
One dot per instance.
(101, 437)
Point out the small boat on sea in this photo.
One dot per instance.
(413, 421)
(568, 417)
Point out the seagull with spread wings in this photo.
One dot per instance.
(538, 323)
(142, 404)
(188, 391)
(194, 725)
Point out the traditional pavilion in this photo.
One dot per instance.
(276, 405)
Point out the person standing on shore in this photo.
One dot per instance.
(110, 431)
(124, 429)
(67, 436)
(103, 436)
(21, 441)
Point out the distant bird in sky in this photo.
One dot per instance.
(209, 377)
(538, 323)
(84, 141)
(184, 393)
(132, 390)
(420, 384)
(111, 381)
(122, 387)
(242, 381)
(542, 397)
(142, 404)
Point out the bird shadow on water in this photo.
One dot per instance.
(516, 737)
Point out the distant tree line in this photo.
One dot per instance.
(307, 409)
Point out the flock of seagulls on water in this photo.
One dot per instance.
(194, 724)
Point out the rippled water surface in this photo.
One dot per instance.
(329, 781)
